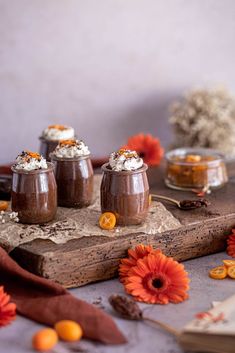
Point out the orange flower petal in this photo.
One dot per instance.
(138, 252)
(157, 279)
(231, 244)
(7, 310)
(147, 146)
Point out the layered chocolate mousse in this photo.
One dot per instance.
(52, 135)
(34, 192)
(74, 173)
(125, 188)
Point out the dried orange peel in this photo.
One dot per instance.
(219, 272)
(3, 205)
(57, 127)
(71, 142)
(31, 154)
(107, 220)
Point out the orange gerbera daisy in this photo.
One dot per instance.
(7, 310)
(231, 244)
(138, 252)
(157, 279)
(147, 147)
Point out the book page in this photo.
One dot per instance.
(218, 320)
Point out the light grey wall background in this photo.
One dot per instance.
(107, 67)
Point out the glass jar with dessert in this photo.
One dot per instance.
(124, 188)
(51, 136)
(195, 168)
(34, 192)
(74, 173)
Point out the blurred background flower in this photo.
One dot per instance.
(7, 309)
(205, 118)
(148, 147)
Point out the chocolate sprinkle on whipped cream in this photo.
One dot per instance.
(28, 160)
(58, 132)
(71, 149)
(125, 160)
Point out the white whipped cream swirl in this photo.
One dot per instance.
(125, 160)
(30, 161)
(58, 132)
(71, 149)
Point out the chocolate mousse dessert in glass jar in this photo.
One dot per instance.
(51, 136)
(34, 192)
(74, 173)
(124, 188)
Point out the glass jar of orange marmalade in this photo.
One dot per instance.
(195, 168)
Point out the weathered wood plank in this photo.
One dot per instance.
(73, 265)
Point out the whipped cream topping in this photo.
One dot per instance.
(30, 161)
(125, 160)
(58, 132)
(71, 149)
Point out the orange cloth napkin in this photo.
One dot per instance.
(46, 302)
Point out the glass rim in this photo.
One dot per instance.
(64, 159)
(219, 157)
(57, 141)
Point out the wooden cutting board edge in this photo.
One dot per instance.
(73, 266)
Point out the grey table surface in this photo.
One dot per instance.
(16, 338)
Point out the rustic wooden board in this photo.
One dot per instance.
(90, 259)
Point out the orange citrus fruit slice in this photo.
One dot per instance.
(229, 263)
(219, 272)
(3, 205)
(107, 220)
(231, 272)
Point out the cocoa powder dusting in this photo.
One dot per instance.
(192, 204)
